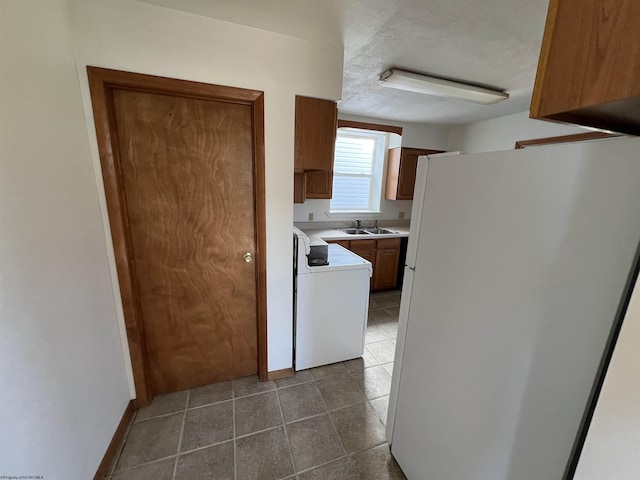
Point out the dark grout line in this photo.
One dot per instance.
(161, 415)
(346, 455)
(358, 452)
(384, 422)
(286, 433)
(235, 445)
(198, 407)
(175, 455)
(197, 449)
(298, 420)
(249, 395)
(240, 437)
(352, 374)
(295, 384)
(333, 425)
(184, 419)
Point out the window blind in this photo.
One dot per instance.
(352, 173)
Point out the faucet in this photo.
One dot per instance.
(375, 224)
(358, 223)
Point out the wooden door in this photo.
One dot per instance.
(188, 180)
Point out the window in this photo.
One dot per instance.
(357, 168)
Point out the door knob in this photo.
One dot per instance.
(248, 257)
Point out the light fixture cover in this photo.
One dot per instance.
(415, 82)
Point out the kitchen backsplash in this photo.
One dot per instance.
(350, 223)
(319, 211)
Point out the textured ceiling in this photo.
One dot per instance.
(488, 42)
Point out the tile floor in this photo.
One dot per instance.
(323, 423)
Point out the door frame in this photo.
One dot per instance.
(102, 82)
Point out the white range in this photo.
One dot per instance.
(331, 305)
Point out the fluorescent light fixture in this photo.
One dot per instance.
(414, 82)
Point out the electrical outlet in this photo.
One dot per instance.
(400, 215)
(310, 216)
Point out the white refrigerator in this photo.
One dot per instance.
(517, 269)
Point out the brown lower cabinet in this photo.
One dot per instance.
(386, 263)
(345, 243)
(384, 255)
(367, 250)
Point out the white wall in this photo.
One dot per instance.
(63, 359)
(154, 40)
(62, 375)
(611, 447)
(502, 133)
(415, 135)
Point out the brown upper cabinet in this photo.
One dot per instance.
(315, 134)
(315, 138)
(318, 185)
(589, 68)
(401, 171)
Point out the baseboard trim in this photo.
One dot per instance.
(284, 373)
(117, 439)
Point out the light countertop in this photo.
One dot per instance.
(319, 236)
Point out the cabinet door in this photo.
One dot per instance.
(401, 172)
(407, 175)
(318, 184)
(364, 248)
(387, 258)
(299, 187)
(367, 250)
(344, 243)
(393, 173)
(315, 134)
(589, 67)
(387, 269)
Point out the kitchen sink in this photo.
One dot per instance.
(366, 231)
(378, 231)
(356, 231)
